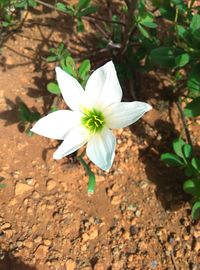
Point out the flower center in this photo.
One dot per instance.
(93, 120)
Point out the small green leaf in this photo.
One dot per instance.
(147, 20)
(62, 7)
(24, 112)
(181, 31)
(32, 3)
(187, 151)
(165, 56)
(65, 8)
(83, 4)
(87, 11)
(193, 82)
(53, 108)
(177, 146)
(192, 186)
(143, 31)
(196, 163)
(71, 66)
(80, 26)
(52, 58)
(196, 210)
(182, 60)
(172, 160)
(193, 108)
(190, 170)
(167, 12)
(53, 88)
(84, 69)
(195, 23)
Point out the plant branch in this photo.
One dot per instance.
(187, 133)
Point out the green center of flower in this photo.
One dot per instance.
(93, 120)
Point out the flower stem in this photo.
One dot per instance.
(91, 176)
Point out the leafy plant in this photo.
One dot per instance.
(183, 157)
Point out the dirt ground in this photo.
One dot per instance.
(138, 218)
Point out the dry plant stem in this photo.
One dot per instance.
(187, 133)
(174, 261)
(129, 27)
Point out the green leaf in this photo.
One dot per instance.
(182, 60)
(196, 163)
(53, 108)
(193, 108)
(87, 11)
(80, 25)
(192, 186)
(83, 4)
(187, 151)
(71, 66)
(65, 8)
(21, 4)
(167, 12)
(84, 69)
(62, 7)
(172, 159)
(32, 3)
(53, 88)
(34, 117)
(143, 31)
(196, 210)
(24, 112)
(52, 58)
(26, 115)
(177, 146)
(181, 31)
(149, 24)
(193, 82)
(190, 171)
(195, 23)
(147, 20)
(165, 56)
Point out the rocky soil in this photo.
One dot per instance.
(138, 217)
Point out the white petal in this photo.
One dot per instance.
(101, 149)
(57, 124)
(122, 114)
(71, 90)
(103, 87)
(76, 138)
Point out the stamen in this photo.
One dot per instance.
(93, 120)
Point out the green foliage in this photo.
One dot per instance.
(53, 88)
(196, 210)
(26, 4)
(184, 159)
(26, 115)
(193, 108)
(57, 54)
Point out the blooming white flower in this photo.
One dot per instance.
(94, 112)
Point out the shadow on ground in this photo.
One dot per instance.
(11, 263)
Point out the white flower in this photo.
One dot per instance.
(94, 112)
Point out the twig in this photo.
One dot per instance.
(187, 133)
(174, 261)
(129, 29)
